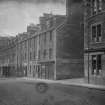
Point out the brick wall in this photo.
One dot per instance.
(70, 43)
(69, 52)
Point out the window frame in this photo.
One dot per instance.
(50, 53)
(44, 53)
(51, 35)
(100, 40)
(99, 7)
(98, 68)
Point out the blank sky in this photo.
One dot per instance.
(15, 15)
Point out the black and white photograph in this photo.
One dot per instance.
(52, 52)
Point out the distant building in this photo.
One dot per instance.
(7, 57)
(22, 54)
(94, 41)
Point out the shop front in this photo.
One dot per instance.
(46, 70)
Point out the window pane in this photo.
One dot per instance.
(44, 38)
(99, 5)
(93, 63)
(44, 54)
(50, 35)
(94, 6)
(99, 66)
(50, 53)
(99, 32)
(93, 32)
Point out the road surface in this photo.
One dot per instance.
(24, 92)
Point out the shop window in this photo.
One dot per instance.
(94, 60)
(99, 64)
(96, 64)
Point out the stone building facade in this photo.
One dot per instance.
(52, 49)
(60, 49)
(94, 41)
(48, 50)
(8, 57)
(70, 44)
(36, 49)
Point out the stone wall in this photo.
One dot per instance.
(70, 42)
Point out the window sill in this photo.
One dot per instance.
(96, 42)
(98, 75)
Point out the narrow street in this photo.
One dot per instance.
(30, 92)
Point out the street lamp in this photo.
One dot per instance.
(87, 5)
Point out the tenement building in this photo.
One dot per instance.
(70, 36)
(94, 41)
(52, 49)
(46, 68)
(52, 52)
(21, 54)
(61, 45)
(36, 49)
(7, 56)
(26, 53)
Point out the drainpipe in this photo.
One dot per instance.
(86, 34)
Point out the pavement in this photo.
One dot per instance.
(30, 91)
(75, 82)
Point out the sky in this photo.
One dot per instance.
(15, 15)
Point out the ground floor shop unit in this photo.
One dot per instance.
(94, 65)
(42, 70)
(56, 69)
(7, 71)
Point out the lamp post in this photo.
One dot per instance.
(86, 5)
